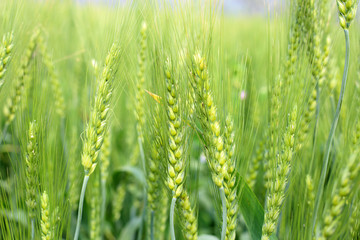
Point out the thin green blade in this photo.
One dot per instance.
(251, 210)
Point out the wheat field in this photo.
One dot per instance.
(179, 120)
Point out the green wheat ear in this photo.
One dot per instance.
(157, 191)
(354, 225)
(310, 195)
(340, 198)
(5, 54)
(31, 158)
(255, 164)
(230, 183)
(156, 154)
(347, 11)
(45, 217)
(105, 157)
(55, 84)
(74, 168)
(104, 168)
(161, 215)
(207, 114)
(12, 103)
(118, 201)
(175, 134)
(139, 105)
(98, 124)
(282, 166)
(95, 213)
(32, 174)
(188, 217)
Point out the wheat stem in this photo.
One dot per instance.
(172, 209)
(143, 216)
(4, 133)
(152, 225)
(332, 131)
(81, 204)
(224, 213)
(32, 228)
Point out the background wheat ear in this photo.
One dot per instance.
(255, 165)
(340, 198)
(95, 202)
(118, 201)
(140, 92)
(32, 175)
(283, 165)
(45, 217)
(354, 222)
(13, 101)
(5, 55)
(73, 169)
(156, 167)
(55, 84)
